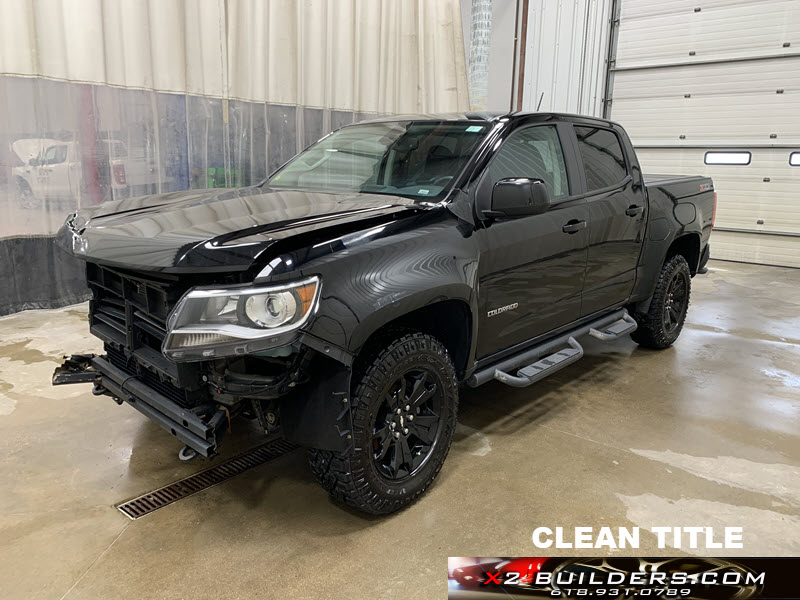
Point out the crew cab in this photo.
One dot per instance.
(343, 301)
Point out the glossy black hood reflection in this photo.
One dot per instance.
(211, 230)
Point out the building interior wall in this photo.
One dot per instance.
(565, 58)
(102, 100)
(691, 82)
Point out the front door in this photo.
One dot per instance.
(54, 172)
(531, 268)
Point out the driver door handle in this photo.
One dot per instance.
(574, 226)
(634, 210)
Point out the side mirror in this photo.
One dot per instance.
(516, 197)
(34, 162)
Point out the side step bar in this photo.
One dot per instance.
(616, 330)
(556, 357)
(543, 367)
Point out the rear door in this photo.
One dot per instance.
(616, 211)
(531, 269)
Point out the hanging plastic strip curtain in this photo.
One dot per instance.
(102, 100)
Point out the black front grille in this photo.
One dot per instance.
(129, 312)
(111, 311)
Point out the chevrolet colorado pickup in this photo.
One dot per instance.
(344, 300)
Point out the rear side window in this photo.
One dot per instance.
(602, 156)
(794, 159)
(535, 153)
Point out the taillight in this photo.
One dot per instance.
(714, 212)
(119, 174)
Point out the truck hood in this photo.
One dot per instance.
(211, 230)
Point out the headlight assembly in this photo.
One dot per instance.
(210, 323)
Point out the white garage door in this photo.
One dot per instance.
(713, 87)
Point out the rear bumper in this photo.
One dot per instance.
(201, 428)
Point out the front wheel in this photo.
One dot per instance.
(663, 322)
(404, 405)
(25, 196)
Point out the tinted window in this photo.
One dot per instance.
(534, 152)
(602, 157)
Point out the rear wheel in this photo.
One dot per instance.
(404, 405)
(662, 324)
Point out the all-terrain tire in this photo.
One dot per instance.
(663, 322)
(357, 477)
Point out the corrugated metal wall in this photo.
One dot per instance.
(566, 51)
(112, 99)
(566, 55)
(719, 75)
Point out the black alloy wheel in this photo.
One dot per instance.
(661, 325)
(407, 424)
(404, 409)
(676, 301)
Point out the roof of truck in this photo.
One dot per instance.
(489, 116)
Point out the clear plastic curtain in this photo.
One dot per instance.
(103, 100)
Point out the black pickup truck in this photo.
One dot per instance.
(343, 301)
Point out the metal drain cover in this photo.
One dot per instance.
(152, 501)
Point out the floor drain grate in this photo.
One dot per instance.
(147, 503)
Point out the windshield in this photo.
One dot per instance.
(419, 159)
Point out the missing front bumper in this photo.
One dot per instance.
(201, 428)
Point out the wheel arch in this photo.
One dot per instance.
(448, 320)
(687, 245)
(22, 183)
(319, 415)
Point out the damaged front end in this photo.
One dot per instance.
(200, 427)
(199, 391)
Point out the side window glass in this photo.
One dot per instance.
(55, 155)
(602, 157)
(535, 153)
(49, 155)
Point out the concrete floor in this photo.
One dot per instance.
(705, 433)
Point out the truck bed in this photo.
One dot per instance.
(656, 180)
(689, 199)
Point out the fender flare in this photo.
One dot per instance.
(400, 307)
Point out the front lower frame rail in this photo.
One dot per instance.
(201, 428)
